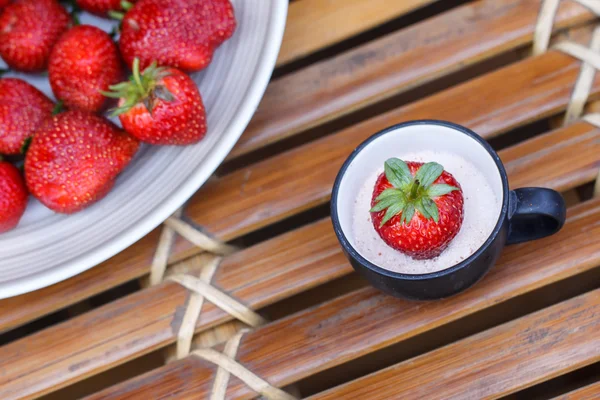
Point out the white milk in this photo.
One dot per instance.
(481, 212)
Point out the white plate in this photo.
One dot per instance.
(46, 247)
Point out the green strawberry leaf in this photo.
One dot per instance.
(114, 32)
(140, 88)
(75, 16)
(388, 202)
(411, 193)
(431, 208)
(428, 173)
(116, 15)
(419, 206)
(388, 193)
(408, 213)
(58, 107)
(119, 86)
(398, 173)
(126, 5)
(25, 145)
(391, 212)
(440, 190)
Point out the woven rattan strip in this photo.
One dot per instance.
(219, 388)
(198, 238)
(580, 52)
(589, 56)
(175, 225)
(161, 255)
(543, 29)
(225, 302)
(583, 86)
(594, 119)
(227, 365)
(591, 62)
(200, 287)
(192, 312)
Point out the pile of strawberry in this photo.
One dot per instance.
(68, 155)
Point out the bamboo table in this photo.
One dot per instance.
(258, 250)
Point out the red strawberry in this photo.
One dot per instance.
(84, 62)
(28, 30)
(163, 106)
(22, 110)
(4, 3)
(178, 33)
(101, 7)
(417, 208)
(74, 159)
(13, 196)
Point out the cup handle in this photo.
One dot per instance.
(534, 213)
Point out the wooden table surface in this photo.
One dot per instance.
(348, 68)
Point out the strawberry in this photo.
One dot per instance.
(3, 3)
(84, 62)
(13, 196)
(22, 110)
(417, 208)
(100, 7)
(28, 30)
(176, 33)
(74, 159)
(162, 106)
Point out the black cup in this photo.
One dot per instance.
(526, 213)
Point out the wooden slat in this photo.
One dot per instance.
(362, 322)
(315, 24)
(251, 198)
(494, 363)
(396, 63)
(550, 92)
(258, 276)
(590, 392)
(548, 160)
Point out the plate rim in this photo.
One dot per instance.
(135, 233)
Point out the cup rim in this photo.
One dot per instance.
(352, 252)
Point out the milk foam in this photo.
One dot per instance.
(481, 212)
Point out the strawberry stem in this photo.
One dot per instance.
(74, 10)
(136, 75)
(114, 32)
(116, 15)
(126, 5)
(25, 145)
(58, 107)
(414, 189)
(75, 18)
